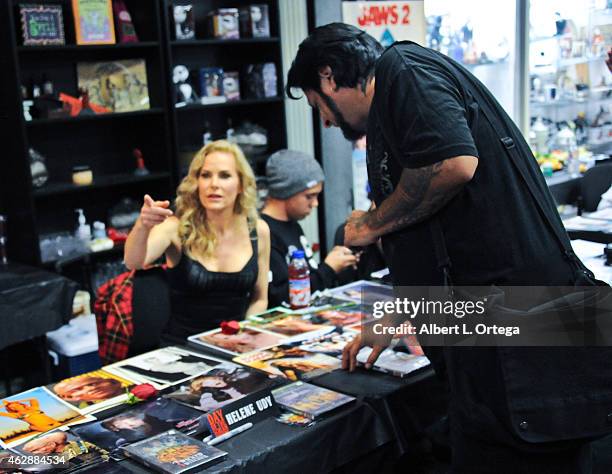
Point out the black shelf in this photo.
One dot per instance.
(72, 48)
(108, 181)
(224, 42)
(231, 103)
(93, 118)
(106, 141)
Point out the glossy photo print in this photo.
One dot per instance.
(220, 386)
(138, 423)
(163, 367)
(92, 391)
(30, 413)
(245, 340)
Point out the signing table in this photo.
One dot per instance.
(385, 422)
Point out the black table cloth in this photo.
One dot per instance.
(273, 447)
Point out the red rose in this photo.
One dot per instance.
(144, 391)
(230, 327)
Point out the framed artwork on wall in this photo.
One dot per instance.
(93, 21)
(42, 24)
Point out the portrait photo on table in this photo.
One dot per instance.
(35, 411)
(291, 326)
(330, 344)
(76, 452)
(137, 423)
(346, 316)
(163, 367)
(246, 340)
(290, 362)
(221, 386)
(364, 292)
(92, 391)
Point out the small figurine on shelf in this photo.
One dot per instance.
(231, 85)
(85, 107)
(38, 169)
(184, 22)
(141, 169)
(184, 91)
(83, 230)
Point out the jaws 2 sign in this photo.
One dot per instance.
(388, 21)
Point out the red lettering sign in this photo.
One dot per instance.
(217, 423)
(406, 17)
(383, 15)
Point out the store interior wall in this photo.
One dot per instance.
(300, 135)
(335, 149)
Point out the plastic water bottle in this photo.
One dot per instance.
(299, 281)
(573, 167)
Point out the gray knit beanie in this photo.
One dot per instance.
(290, 172)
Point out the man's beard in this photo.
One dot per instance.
(348, 131)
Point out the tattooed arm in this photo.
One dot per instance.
(419, 194)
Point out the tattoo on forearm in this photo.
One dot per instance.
(412, 201)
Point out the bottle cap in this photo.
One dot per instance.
(297, 254)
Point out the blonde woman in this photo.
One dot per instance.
(217, 249)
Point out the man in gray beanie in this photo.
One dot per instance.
(295, 181)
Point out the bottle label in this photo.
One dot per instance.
(299, 292)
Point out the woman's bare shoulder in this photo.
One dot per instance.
(263, 231)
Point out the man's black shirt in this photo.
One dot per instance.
(285, 237)
(424, 112)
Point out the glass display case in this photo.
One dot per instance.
(544, 60)
(570, 86)
(481, 35)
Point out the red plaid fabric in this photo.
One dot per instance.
(113, 310)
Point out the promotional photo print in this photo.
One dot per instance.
(163, 367)
(220, 386)
(92, 391)
(31, 413)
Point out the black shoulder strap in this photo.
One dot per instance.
(508, 142)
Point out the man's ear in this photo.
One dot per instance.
(326, 74)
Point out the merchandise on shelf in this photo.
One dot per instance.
(211, 85)
(184, 93)
(184, 22)
(93, 21)
(42, 24)
(223, 23)
(254, 21)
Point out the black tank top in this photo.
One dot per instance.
(201, 299)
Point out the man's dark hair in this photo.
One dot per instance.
(350, 53)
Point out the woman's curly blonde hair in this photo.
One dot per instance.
(197, 238)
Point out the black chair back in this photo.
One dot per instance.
(594, 183)
(150, 309)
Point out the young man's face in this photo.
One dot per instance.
(301, 204)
